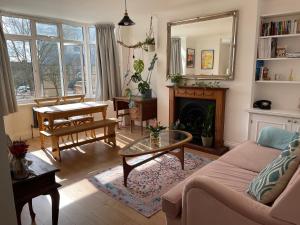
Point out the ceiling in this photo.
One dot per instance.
(91, 11)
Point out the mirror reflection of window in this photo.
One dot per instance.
(206, 47)
(176, 56)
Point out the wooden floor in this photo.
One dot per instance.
(81, 203)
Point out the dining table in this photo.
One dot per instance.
(64, 111)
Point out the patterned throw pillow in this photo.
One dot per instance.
(294, 149)
(272, 180)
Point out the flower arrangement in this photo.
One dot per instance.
(18, 149)
(155, 129)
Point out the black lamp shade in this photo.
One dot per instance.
(126, 21)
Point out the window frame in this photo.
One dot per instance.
(34, 37)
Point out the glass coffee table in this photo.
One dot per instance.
(168, 142)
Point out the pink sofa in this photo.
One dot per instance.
(216, 194)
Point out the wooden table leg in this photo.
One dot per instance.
(41, 127)
(55, 206)
(19, 208)
(126, 170)
(179, 155)
(32, 214)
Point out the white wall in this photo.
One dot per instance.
(239, 94)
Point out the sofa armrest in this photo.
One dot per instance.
(226, 201)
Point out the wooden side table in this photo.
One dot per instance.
(144, 110)
(40, 182)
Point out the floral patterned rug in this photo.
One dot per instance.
(147, 183)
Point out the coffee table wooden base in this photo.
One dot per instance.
(128, 168)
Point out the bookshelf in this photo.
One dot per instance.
(278, 49)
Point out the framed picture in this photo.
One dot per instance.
(207, 59)
(190, 58)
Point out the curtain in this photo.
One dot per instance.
(175, 57)
(8, 102)
(108, 77)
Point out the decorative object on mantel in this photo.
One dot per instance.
(18, 163)
(126, 21)
(155, 130)
(175, 79)
(148, 44)
(211, 84)
(207, 127)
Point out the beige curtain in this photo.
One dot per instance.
(175, 57)
(8, 103)
(109, 80)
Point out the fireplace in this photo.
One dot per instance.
(189, 106)
(190, 114)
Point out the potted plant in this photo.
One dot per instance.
(18, 163)
(149, 43)
(207, 127)
(155, 130)
(175, 79)
(143, 85)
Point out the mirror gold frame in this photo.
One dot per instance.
(234, 15)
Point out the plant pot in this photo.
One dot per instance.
(207, 141)
(19, 168)
(155, 138)
(151, 48)
(147, 94)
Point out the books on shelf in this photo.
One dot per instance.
(267, 48)
(280, 27)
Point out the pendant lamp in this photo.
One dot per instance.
(126, 21)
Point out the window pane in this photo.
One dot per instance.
(93, 67)
(19, 26)
(50, 69)
(46, 29)
(21, 66)
(92, 34)
(72, 33)
(74, 70)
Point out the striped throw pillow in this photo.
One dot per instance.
(272, 180)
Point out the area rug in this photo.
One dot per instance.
(147, 183)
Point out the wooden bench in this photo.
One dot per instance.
(109, 135)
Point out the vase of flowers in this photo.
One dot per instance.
(155, 131)
(18, 163)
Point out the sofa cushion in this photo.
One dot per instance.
(276, 138)
(250, 156)
(272, 180)
(229, 175)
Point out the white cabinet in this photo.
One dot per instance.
(259, 121)
(296, 125)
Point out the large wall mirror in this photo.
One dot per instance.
(203, 47)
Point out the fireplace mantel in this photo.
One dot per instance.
(216, 94)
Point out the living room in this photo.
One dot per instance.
(124, 98)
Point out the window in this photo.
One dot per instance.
(72, 33)
(17, 26)
(49, 68)
(21, 66)
(45, 29)
(49, 60)
(92, 34)
(73, 60)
